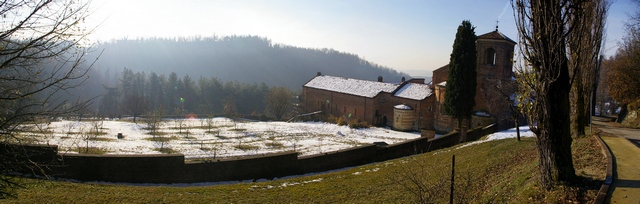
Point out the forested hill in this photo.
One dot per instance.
(246, 59)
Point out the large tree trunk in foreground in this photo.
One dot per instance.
(554, 136)
(578, 113)
(543, 27)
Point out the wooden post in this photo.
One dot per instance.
(453, 167)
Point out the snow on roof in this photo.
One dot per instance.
(414, 91)
(402, 107)
(350, 86)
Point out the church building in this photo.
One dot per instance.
(413, 105)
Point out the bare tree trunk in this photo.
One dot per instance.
(543, 27)
(42, 57)
(585, 45)
(554, 136)
(578, 110)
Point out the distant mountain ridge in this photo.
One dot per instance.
(248, 59)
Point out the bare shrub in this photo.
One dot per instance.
(429, 181)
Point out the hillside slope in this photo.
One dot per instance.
(236, 58)
(501, 171)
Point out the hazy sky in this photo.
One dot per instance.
(413, 36)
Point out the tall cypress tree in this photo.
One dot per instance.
(459, 98)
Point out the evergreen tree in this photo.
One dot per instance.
(171, 93)
(459, 98)
(154, 91)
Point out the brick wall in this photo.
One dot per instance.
(423, 111)
(339, 104)
(383, 106)
(440, 74)
(371, 110)
(499, 69)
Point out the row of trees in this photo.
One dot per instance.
(138, 93)
(622, 71)
(560, 43)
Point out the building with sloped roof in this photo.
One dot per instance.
(494, 65)
(372, 102)
(413, 104)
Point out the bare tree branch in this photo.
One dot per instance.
(42, 56)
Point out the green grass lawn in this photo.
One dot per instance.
(503, 171)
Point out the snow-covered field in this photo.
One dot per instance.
(224, 138)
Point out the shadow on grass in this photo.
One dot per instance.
(580, 186)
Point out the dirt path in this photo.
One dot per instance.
(626, 160)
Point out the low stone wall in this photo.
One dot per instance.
(337, 159)
(121, 168)
(171, 168)
(244, 168)
(20, 158)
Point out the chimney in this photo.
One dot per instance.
(403, 79)
(318, 74)
(379, 78)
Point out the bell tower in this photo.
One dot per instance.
(495, 56)
(494, 62)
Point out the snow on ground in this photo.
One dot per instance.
(510, 133)
(194, 139)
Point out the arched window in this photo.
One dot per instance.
(490, 56)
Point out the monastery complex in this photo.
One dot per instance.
(415, 105)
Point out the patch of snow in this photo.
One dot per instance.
(442, 151)
(444, 83)
(372, 170)
(402, 107)
(510, 133)
(414, 91)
